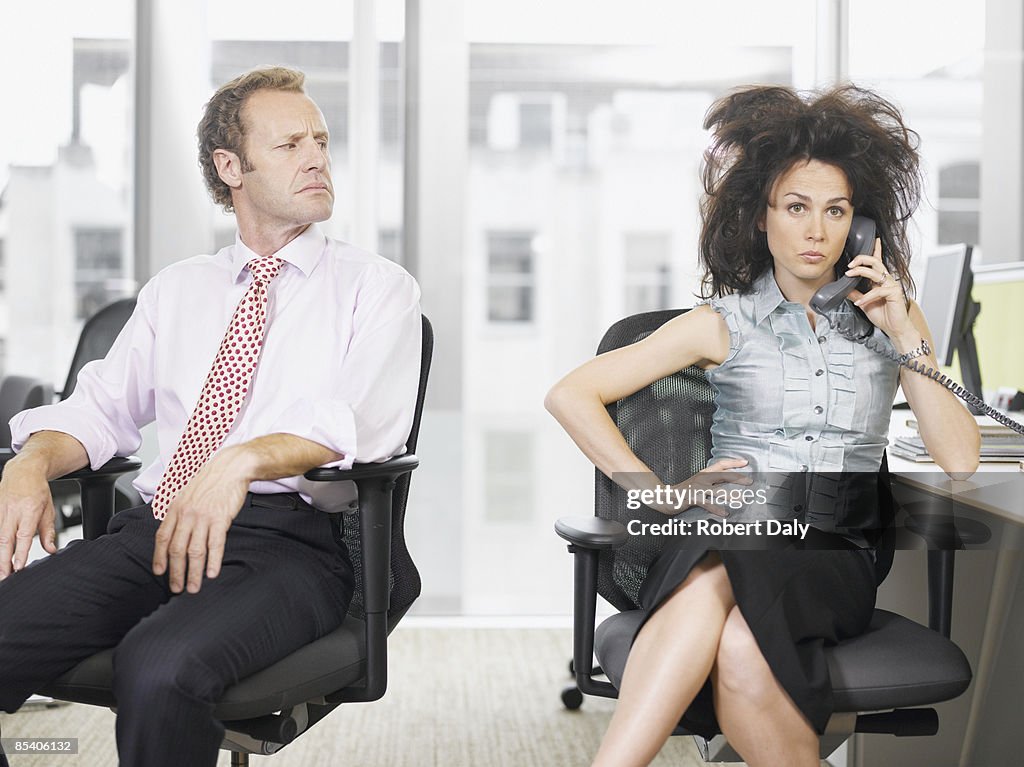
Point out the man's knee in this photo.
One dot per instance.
(149, 669)
(739, 664)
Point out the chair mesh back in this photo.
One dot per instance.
(667, 424)
(405, 578)
(97, 337)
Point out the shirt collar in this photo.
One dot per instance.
(767, 296)
(304, 252)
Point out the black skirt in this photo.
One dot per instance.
(795, 601)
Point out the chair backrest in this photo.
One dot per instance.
(667, 424)
(96, 338)
(405, 578)
(19, 393)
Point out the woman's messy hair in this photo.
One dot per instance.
(760, 133)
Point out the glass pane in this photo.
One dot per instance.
(245, 34)
(935, 75)
(65, 176)
(584, 126)
(316, 36)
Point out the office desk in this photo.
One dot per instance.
(981, 728)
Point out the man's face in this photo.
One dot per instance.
(288, 181)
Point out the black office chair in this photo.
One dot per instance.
(94, 341)
(97, 336)
(268, 710)
(894, 667)
(19, 393)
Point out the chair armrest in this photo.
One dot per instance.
(97, 486)
(587, 536)
(376, 482)
(391, 468)
(592, 532)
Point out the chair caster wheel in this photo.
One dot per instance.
(572, 698)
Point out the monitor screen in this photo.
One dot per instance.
(944, 295)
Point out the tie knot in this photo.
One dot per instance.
(265, 268)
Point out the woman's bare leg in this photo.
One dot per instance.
(668, 664)
(756, 714)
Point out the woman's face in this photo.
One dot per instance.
(807, 220)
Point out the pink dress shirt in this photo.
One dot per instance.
(340, 363)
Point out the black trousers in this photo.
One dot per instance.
(285, 580)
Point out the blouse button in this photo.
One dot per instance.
(819, 410)
(819, 372)
(804, 467)
(821, 339)
(809, 438)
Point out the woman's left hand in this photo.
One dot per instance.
(885, 304)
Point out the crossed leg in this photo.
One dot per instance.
(698, 631)
(756, 714)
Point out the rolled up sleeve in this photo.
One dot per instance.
(370, 415)
(113, 398)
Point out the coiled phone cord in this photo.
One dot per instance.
(969, 397)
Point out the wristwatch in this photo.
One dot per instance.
(921, 351)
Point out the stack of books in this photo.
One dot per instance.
(998, 444)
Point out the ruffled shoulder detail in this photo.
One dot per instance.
(726, 308)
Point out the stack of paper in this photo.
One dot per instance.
(998, 443)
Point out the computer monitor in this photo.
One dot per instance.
(945, 299)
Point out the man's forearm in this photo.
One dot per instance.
(53, 453)
(275, 456)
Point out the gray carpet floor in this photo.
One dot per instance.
(458, 696)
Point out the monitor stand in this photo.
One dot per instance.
(967, 354)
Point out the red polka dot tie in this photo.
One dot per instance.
(226, 386)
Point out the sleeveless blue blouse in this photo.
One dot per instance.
(793, 399)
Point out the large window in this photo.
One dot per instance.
(66, 180)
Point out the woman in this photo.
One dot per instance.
(738, 636)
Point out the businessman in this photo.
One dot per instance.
(283, 352)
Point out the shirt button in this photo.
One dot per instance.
(821, 339)
(798, 507)
(819, 372)
(819, 410)
(809, 438)
(804, 467)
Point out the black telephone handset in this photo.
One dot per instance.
(859, 242)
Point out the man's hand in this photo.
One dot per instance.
(193, 533)
(26, 508)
